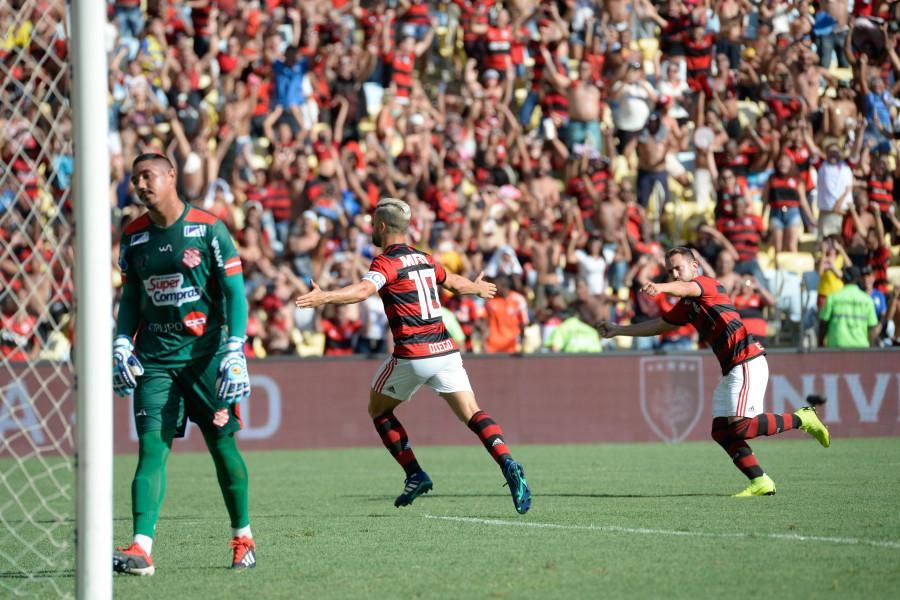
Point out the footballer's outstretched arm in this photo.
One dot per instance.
(460, 285)
(350, 294)
(645, 328)
(679, 289)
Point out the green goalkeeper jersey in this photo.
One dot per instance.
(183, 285)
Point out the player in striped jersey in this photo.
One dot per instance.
(424, 353)
(738, 399)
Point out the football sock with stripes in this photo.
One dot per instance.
(733, 443)
(490, 435)
(394, 438)
(148, 488)
(765, 424)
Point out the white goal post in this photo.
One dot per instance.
(56, 450)
(93, 301)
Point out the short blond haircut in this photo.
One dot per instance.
(394, 213)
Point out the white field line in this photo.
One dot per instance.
(791, 537)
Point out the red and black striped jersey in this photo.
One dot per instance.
(498, 44)
(416, 14)
(744, 233)
(402, 66)
(881, 191)
(472, 13)
(718, 323)
(407, 281)
(698, 55)
(784, 192)
(200, 18)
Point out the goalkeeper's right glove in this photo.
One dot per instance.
(126, 366)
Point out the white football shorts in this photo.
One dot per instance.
(742, 391)
(400, 378)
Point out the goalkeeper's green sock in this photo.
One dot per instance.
(149, 485)
(232, 474)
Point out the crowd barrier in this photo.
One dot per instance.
(540, 399)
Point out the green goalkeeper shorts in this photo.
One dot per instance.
(166, 397)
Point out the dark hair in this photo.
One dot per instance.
(852, 274)
(151, 156)
(683, 251)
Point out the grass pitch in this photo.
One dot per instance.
(613, 521)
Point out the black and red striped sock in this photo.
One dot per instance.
(394, 438)
(765, 424)
(490, 435)
(733, 443)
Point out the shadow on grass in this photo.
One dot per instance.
(432, 496)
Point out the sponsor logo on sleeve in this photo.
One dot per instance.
(167, 290)
(195, 323)
(191, 257)
(139, 238)
(217, 253)
(123, 264)
(194, 231)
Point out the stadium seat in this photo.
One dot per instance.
(766, 259)
(795, 262)
(649, 48)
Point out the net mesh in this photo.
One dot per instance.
(37, 470)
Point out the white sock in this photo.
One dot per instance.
(242, 532)
(145, 542)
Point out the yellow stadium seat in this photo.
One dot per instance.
(649, 48)
(796, 262)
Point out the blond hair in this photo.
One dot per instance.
(394, 213)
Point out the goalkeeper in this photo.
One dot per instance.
(179, 348)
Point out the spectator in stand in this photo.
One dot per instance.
(291, 120)
(832, 262)
(592, 265)
(506, 318)
(785, 194)
(880, 301)
(745, 233)
(577, 333)
(751, 300)
(835, 186)
(847, 319)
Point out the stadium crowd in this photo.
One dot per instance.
(560, 146)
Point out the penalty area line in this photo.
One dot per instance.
(791, 537)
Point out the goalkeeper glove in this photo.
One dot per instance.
(126, 367)
(234, 381)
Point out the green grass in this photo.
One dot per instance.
(636, 521)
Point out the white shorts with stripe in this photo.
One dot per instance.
(400, 378)
(742, 391)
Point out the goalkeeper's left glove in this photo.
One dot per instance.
(233, 381)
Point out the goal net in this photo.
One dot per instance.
(37, 399)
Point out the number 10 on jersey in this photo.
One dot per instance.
(426, 286)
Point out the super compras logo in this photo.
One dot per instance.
(167, 290)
